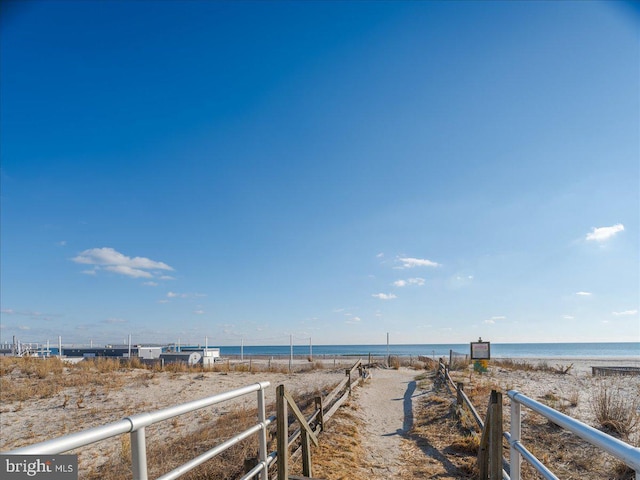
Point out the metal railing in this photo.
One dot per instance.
(628, 454)
(135, 426)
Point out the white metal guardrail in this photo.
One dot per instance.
(135, 426)
(628, 454)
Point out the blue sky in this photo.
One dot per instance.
(251, 171)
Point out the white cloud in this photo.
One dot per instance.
(625, 313)
(199, 312)
(150, 284)
(584, 294)
(380, 255)
(410, 281)
(114, 261)
(24, 327)
(568, 317)
(461, 278)
(410, 262)
(600, 234)
(384, 296)
(354, 320)
(185, 295)
(114, 321)
(494, 319)
(128, 271)
(34, 315)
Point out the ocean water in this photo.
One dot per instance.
(498, 350)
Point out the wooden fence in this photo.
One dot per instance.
(311, 425)
(491, 463)
(490, 459)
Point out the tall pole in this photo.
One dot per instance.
(59, 346)
(206, 343)
(290, 352)
(129, 346)
(388, 357)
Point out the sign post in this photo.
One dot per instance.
(480, 355)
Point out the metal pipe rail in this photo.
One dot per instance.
(135, 425)
(628, 454)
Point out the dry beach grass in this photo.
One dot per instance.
(400, 424)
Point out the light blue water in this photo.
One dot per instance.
(499, 350)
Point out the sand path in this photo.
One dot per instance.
(386, 408)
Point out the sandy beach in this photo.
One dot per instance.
(386, 404)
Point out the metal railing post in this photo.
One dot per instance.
(514, 455)
(139, 454)
(282, 424)
(262, 436)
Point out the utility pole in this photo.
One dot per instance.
(388, 357)
(290, 352)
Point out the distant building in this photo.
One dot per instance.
(149, 353)
(210, 356)
(98, 352)
(190, 358)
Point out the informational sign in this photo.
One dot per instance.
(480, 350)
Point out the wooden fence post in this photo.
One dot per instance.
(495, 437)
(349, 381)
(320, 409)
(306, 454)
(490, 451)
(459, 389)
(483, 451)
(282, 440)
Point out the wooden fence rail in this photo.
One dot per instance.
(489, 428)
(309, 426)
